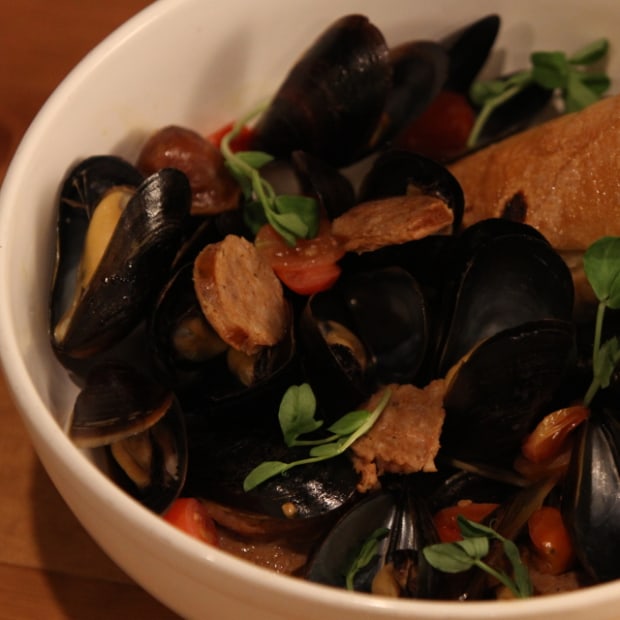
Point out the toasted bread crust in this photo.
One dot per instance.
(562, 177)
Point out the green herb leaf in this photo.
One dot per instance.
(456, 557)
(350, 422)
(551, 70)
(254, 159)
(262, 472)
(461, 555)
(365, 555)
(601, 263)
(296, 413)
(292, 219)
(605, 362)
(590, 53)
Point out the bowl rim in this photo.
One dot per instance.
(33, 412)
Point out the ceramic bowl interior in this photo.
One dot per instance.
(199, 64)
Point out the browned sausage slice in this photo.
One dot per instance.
(240, 295)
(390, 221)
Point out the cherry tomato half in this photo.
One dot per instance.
(191, 516)
(553, 549)
(441, 131)
(446, 523)
(243, 142)
(547, 439)
(308, 267)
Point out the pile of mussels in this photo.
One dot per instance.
(159, 399)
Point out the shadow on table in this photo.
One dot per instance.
(83, 580)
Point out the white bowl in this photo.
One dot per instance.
(200, 63)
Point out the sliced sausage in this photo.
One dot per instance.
(390, 221)
(240, 295)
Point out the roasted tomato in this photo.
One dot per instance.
(191, 516)
(553, 550)
(446, 523)
(308, 267)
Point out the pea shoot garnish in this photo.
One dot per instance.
(601, 263)
(459, 556)
(554, 71)
(364, 556)
(296, 417)
(292, 216)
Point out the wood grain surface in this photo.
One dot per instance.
(49, 566)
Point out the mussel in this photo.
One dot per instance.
(400, 522)
(142, 428)
(131, 240)
(332, 99)
(591, 500)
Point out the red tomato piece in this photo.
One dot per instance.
(446, 523)
(441, 131)
(547, 439)
(242, 142)
(553, 549)
(191, 516)
(310, 266)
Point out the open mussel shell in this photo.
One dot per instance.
(398, 172)
(92, 178)
(469, 50)
(119, 276)
(502, 280)
(370, 328)
(591, 501)
(398, 567)
(332, 99)
(389, 313)
(209, 376)
(221, 458)
(419, 72)
(498, 391)
(142, 428)
(181, 337)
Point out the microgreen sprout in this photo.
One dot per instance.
(296, 416)
(365, 554)
(601, 263)
(459, 556)
(292, 216)
(554, 71)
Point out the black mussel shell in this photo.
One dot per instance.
(498, 392)
(132, 269)
(507, 280)
(142, 428)
(469, 49)
(516, 114)
(333, 191)
(333, 357)
(116, 401)
(181, 337)
(90, 179)
(220, 459)
(420, 70)
(151, 466)
(398, 172)
(591, 501)
(332, 99)
(404, 527)
(389, 313)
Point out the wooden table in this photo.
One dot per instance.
(49, 566)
